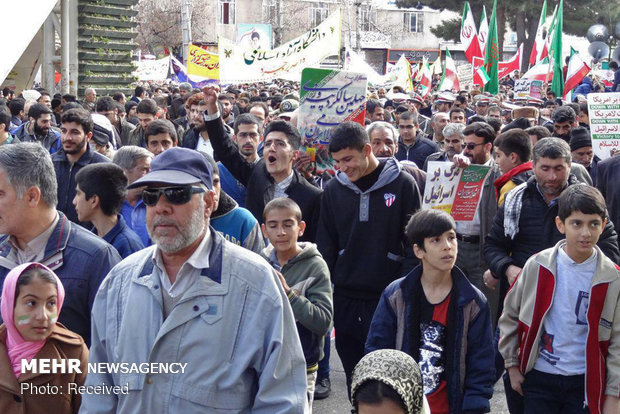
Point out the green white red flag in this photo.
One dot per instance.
(577, 71)
(469, 35)
(539, 41)
(426, 78)
(450, 79)
(483, 32)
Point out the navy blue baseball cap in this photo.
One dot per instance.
(177, 166)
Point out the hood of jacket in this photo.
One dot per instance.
(308, 251)
(390, 172)
(224, 206)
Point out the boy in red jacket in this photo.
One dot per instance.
(560, 330)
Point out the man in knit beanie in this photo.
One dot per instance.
(581, 150)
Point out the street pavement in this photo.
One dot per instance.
(338, 403)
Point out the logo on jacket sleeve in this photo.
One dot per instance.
(389, 199)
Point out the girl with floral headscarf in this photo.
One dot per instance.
(32, 297)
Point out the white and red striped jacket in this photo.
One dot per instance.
(527, 303)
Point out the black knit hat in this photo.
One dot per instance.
(579, 138)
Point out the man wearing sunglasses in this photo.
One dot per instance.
(477, 149)
(195, 299)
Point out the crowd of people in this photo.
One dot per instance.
(192, 226)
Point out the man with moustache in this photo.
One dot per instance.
(197, 299)
(383, 141)
(564, 120)
(477, 150)
(76, 129)
(453, 144)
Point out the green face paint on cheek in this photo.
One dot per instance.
(23, 320)
(53, 317)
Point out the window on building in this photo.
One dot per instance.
(318, 12)
(413, 22)
(269, 11)
(368, 18)
(226, 11)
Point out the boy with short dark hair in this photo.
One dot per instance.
(99, 194)
(304, 276)
(439, 318)
(513, 155)
(159, 136)
(559, 333)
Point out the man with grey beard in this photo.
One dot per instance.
(211, 310)
(452, 144)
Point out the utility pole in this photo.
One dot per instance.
(186, 28)
(358, 24)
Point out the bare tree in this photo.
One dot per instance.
(159, 22)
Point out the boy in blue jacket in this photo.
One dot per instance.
(99, 194)
(441, 320)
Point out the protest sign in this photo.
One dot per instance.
(466, 75)
(239, 64)
(536, 89)
(203, 63)
(604, 112)
(152, 70)
(328, 98)
(468, 192)
(522, 88)
(454, 190)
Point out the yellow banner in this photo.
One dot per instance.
(203, 63)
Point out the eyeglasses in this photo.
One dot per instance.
(174, 195)
(471, 146)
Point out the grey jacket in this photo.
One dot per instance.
(233, 328)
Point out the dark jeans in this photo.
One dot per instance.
(514, 400)
(323, 371)
(553, 394)
(352, 319)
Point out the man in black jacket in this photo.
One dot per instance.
(412, 146)
(527, 226)
(361, 234)
(273, 176)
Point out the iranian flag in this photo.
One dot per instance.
(540, 71)
(509, 66)
(484, 30)
(480, 76)
(426, 78)
(539, 41)
(450, 79)
(469, 36)
(577, 70)
(547, 44)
